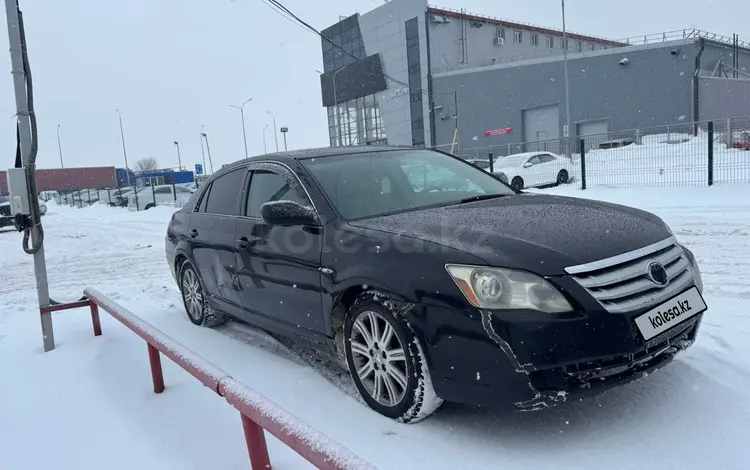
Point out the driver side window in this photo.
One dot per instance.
(425, 177)
(267, 186)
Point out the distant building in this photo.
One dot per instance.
(407, 70)
(158, 177)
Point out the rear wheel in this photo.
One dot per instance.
(387, 362)
(194, 299)
(562, 177)
(148, 206)
(517, 183)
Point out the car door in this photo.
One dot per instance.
(548, 169)
(532, 173)
(280, 265)
(163, 195)
(212, 229)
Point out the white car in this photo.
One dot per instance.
(533, 169)
(166, 195)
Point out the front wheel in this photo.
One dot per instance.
(517, 183)
(387, 362)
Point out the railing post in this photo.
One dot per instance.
(492, 163)
(95, 318)
(710, 153)
(153, 192)
(256, 444)
(583, 164)
(157, 376)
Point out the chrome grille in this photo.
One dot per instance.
(621, 283)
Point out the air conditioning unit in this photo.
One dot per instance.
(499, 41)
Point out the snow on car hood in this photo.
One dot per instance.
(540, 233)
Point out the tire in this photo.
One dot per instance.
(194, 299)
(517, 183)
(149, 206)
(399, 388)
(562, 177)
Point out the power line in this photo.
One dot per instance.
(289, 15)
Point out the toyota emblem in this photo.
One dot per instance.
(658, 274)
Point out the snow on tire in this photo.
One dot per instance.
(387, 362)
(194, 299)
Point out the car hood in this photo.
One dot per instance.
(539, 233)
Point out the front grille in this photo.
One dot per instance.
(621, 283)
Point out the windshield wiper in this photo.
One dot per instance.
(481, 197)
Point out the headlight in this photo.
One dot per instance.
(697, 278)
(507, 289)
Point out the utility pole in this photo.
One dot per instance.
(335, 103)
(456, 136)
(27, 141)
(179, 157)
(566, 131)
(59, 147)
(242, 115)
(265, 149)
(203, 154)
(124, 152)
(284, 130)
(208, 150)
(275, 130)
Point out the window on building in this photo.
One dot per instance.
(224, 193)
(550, 42)
(604, 47)
(517, 37)
(591, 47)
(356, 122)
(500, 33)
(534, 39)
(579, 46)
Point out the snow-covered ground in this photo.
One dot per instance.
(88, 404)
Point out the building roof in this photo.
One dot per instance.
(524, 26)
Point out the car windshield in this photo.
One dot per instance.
(387, 182)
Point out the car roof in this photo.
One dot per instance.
(320, 152)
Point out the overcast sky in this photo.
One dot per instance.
(171, 66)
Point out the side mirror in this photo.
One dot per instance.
(287, 213)
(527, 165)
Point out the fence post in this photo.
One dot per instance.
(109, 197)
(174, 191)
(157, 376)
(710, 153)
(492, 163)
(153, 193)
(88, 195)
(583, 164)
(135, 194)
(256, 444)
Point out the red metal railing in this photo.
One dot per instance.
(257, 412)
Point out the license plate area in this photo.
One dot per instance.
(671, 313)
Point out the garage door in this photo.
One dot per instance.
(596, 131)
(541, 129)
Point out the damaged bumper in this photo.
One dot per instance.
(530, 360)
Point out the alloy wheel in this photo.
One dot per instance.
(379, 358)
(192, 293)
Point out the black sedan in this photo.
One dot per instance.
(434, 279)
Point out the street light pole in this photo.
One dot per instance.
(242, 115)
(208, 150)
(335, 103)
(179, 157)
(265, 149)
(284, 130)
(567, 87)
(275, 131)
(203, 154)
(59, 147)
(124, 152)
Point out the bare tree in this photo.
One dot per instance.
(146, 164)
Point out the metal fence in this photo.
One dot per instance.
(136, 198)
(685, 154)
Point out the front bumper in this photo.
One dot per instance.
(530, 360)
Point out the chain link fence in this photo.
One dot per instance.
(131, 197)
(684, 154)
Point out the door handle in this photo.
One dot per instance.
(242, 243)
(193, 233)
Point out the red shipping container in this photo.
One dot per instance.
(68, 179)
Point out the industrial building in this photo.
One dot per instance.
(407, 73)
